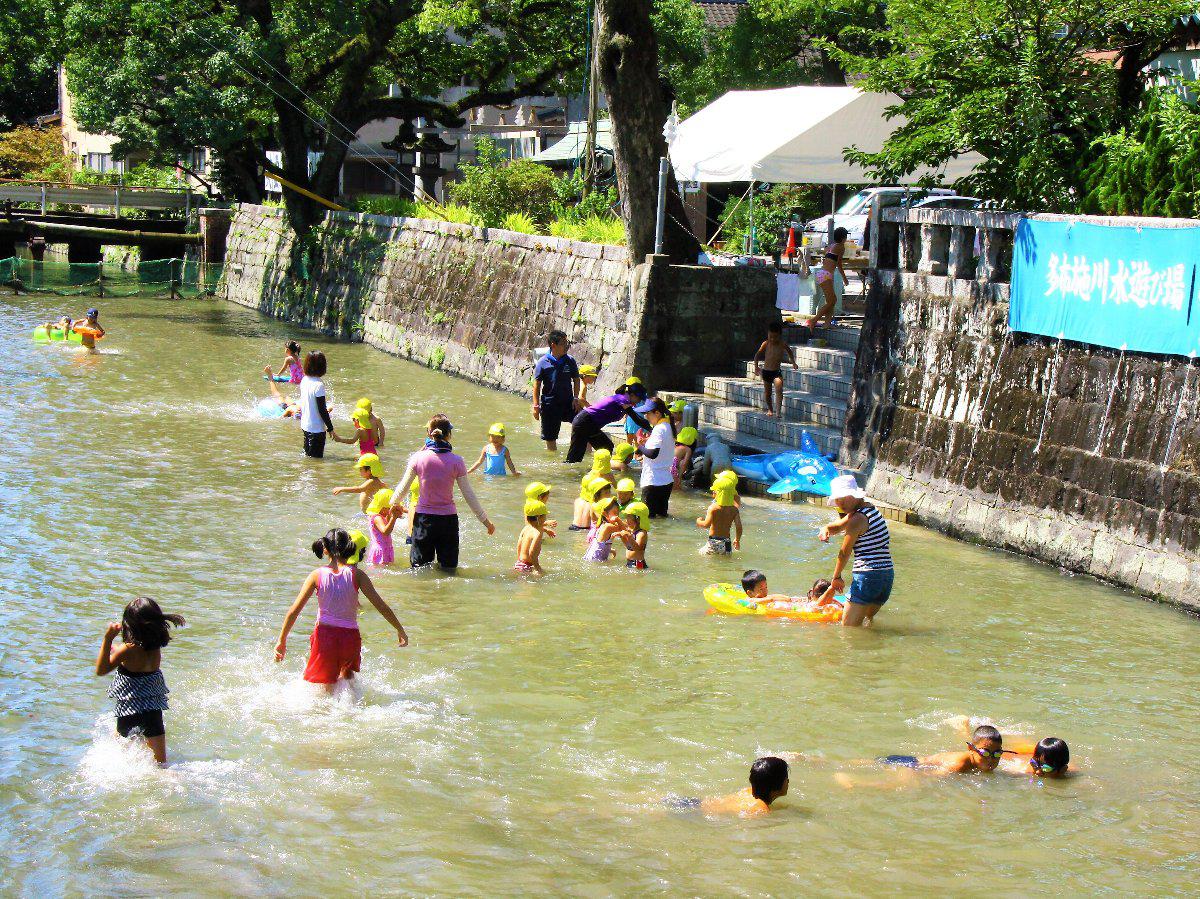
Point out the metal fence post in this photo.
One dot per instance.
(43, 200)
(100, 275)
(117, 200)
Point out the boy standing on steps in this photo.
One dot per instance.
(768, 365)
(555, 388)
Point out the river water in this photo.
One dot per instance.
(524, 741)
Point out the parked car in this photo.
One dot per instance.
(949, 203)
(854, 213)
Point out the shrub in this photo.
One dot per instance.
(143, 175)
(570, 203)
(384, 204)
(450, 212)
(33, 154)
(772, 210)
(519, 221)
(606, 229)
(493, 188)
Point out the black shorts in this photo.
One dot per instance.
(769, 375)
(656, 499)
(314, 444)
(552, 416)
(149, 723)
(434, 537)
(584, 433)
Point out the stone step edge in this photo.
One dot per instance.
(756, 387)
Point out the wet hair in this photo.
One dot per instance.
(1054, 752)
(986, 732)
(439, 426)
(840, 234)
(775, 328)
(817, 590)
(556, 337)
(752, 579)
(146, 626)
(292, 347)
(767, 777)
(532, 519)
(638, 390)
(315, 365)
(337, 543)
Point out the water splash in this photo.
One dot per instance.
(1049, 394)
(1111, 395)
(987, 396)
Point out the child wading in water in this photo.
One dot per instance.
(529, 544)
(685, 445)
(495, 456)
(721, 516)
(335, 648)
(383, 519)
(540, 492)
(768, 365)
(364, 434)
(637, 519)
(621, 455)
(138, 690)
(582, 518)
(376, 423)
(371, 470)
(608, 526)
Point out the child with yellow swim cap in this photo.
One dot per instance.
(626, 488)
(608, 526)
(383, 518)
(377, 427)
(602, 465)
(637, 520)
(529, 544)
(495, 456)
(621, 455)
(587, 377)
(723, 515)
(685, 446)
(371, 470)
(364, 435)
(540, 492)
(583, 517)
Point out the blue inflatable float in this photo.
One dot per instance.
(806, 470)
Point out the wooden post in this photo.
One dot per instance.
(173, 279)
(100, 275)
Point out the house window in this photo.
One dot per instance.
(98, 162)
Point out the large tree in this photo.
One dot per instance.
(30, 41)
(245, 76)
(1030, 84)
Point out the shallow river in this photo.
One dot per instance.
(524, 741)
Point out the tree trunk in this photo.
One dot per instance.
(628, 64)
(237, 173)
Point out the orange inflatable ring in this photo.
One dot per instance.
(85, 331)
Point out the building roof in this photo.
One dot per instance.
(720, 13)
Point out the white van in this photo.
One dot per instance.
(854, 213)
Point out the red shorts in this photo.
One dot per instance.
(333, 652)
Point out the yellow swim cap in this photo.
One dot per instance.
(360, 546)
(496, 430)
(626, 485)
(631, 381)
(371, 461)
(727, 475)
(534, 508)
(642, 511)
(602, 461)
(588, 371)
(687, 436)
(677, 407)
(599, 483)
(360, 417)
(585, 486)
(624, 452)
(380, 501)
(724, 489)
(601, 506)
(364, 403)
(536, 490)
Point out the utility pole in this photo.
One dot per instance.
(593, 102)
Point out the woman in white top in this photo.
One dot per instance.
(314, 414)
(657, 453)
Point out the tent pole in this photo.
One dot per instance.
(832, 215)
(752, 235)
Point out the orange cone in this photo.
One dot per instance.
(790, 250)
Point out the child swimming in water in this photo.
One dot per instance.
(495, 456)
(336, 645)
(292, 371)
(768, 782)
(621, 455)
(685, 444)
(608, 526)
(290, 409)
(722, 516)
(138, 690)
(983, 753)
(529, 544)
(637, 520)
(364, 434)
(371, 470)
(383, 518)
(820, 594)
(1049, 757)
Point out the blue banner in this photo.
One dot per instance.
(1114, 286)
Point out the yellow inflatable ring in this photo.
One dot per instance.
(728, 599)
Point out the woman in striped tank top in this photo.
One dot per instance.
(865, 536)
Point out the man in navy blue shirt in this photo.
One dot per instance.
(555, 387)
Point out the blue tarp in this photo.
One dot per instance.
(1114, 286)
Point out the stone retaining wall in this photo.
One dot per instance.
(1069, 453)
(477, 302)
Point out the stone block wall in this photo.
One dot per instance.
(477, 302)
(1074, 454)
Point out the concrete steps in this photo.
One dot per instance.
(809, 406)
(818, 383)
(749, 422)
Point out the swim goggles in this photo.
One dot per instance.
(991, 754)
(1040, 767)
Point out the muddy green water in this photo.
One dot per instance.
(524, 742)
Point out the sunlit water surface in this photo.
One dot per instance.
(524, 741)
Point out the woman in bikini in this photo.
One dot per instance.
(824, 277)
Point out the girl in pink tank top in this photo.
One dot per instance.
(335, 647)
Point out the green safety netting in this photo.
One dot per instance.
(156, 277)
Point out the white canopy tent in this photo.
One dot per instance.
(794, 135)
